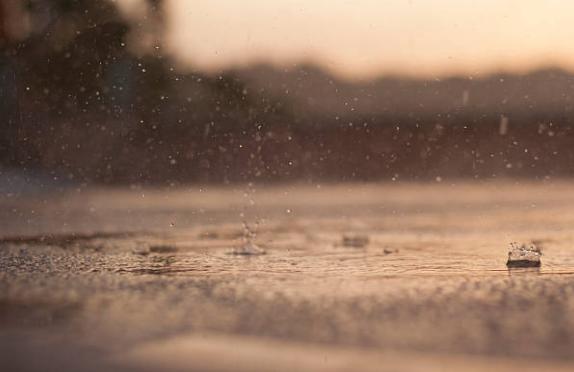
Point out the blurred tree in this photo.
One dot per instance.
(60, 59)
(87, 91)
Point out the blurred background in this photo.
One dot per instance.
(166, 92)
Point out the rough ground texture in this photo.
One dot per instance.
(146, 279)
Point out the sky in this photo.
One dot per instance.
(361, 39)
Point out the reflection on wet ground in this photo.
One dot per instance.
(429, 275)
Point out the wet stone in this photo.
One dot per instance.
(162, 249)
(208, 235)
(523, 255)
(355, 241)
(141, 251)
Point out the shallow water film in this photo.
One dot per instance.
(302, 277)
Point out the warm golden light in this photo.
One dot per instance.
(363, 38)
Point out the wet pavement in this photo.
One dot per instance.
(133, 279)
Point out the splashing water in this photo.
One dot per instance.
(248, 246)
(523, 255)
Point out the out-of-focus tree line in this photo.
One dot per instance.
(83, 96)
(87, 93)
